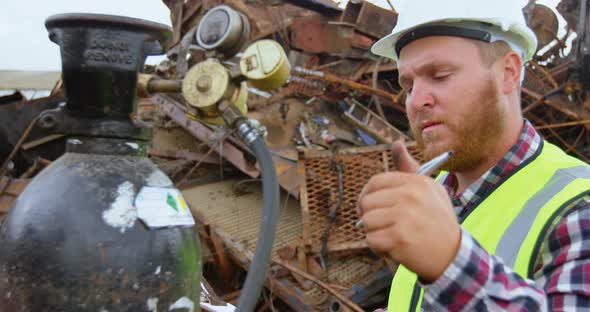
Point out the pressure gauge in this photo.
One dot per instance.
(223, 29)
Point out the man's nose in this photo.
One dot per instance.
(420, 97)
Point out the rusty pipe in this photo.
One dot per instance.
(149, 84)
(394, 98)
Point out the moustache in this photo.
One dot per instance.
(423, 120)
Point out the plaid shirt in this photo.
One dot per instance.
(478, 281)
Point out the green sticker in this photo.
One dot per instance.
(171, 202)
(160, 207)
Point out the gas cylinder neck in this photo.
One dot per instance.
(101, 56)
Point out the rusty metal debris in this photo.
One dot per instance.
(336, 117)
(9, 190)
(322, 191)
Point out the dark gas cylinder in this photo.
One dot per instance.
(77, 238)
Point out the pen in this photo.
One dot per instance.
(426, 169)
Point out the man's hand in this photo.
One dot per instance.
(410, 218)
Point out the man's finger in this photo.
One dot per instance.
(359, 209)
(383, 241)
(383, 198)
(387, 180)
(378, 219)
(402, 159)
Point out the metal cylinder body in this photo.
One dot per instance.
(73, 242)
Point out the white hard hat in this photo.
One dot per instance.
(484, 20)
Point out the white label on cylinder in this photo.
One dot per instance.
(160, 207)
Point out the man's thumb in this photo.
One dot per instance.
(402, 159)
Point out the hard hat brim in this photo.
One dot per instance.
(386, 46)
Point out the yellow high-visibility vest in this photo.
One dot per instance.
(513, 220)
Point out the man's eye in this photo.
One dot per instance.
(441, 76)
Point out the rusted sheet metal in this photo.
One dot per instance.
(544, 24)
(316, 34)
(12, 98)
(361, 41)
(183, 16)
(288, 175)
(320, 191)
(326, 7)
(204, 134)
(281, 131)
(265, 20)
(221, 258)
(286, 169)
(369, 19)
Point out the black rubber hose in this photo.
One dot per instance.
(266, 235)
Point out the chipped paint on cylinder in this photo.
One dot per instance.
(122, 214)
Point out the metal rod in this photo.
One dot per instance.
(31, 170)
(17, 146)
(564, 124)
(44, 162)
(577, 140)
(164, 86)
(41, 141)
(353, 306)
(564, 142)
(391, 5)
(351, 84)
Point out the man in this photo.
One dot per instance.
(508, 225)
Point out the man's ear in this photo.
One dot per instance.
(511, 70)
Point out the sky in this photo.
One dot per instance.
(24, 37)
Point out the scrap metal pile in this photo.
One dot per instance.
(329, 130)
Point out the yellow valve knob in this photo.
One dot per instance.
(265, 65)
(207, 83)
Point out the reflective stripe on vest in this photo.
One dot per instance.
(514, 236)
(510, 221)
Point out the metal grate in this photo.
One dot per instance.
(345, 273)
(321, 192)
(238, 214)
